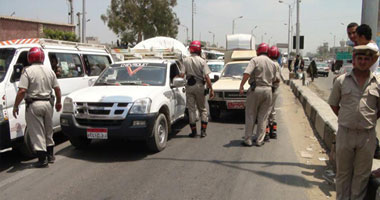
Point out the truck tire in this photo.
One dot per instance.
(159, 138)
(215, 114)
(79, 142)
(25, 148)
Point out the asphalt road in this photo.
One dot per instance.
(216, 167)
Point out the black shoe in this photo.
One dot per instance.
(203, 133)
(42, 160)
(266, 138)
(50, 154)
(193, 134)
(377, 153)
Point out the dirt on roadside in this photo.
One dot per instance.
(309, 148)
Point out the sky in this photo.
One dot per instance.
(320, 20)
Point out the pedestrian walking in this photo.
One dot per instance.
(273, 54)
(261, 73)
(355, 100)
(312, 69)
(196, 70)
(36, 84)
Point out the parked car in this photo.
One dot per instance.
(323, 68)
(216, 67)
(343, 70)
(79, 65)
(137, 99)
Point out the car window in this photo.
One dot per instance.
(234, 69)
(22, 60)
(66, 65)
(215, 67)
(134, 74)
(174, 71)
(95, 64)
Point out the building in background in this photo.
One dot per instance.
(18, 28)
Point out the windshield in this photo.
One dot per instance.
(6, 56)
(216, 67)
(320, 65)
(234, 69)
(133, 74)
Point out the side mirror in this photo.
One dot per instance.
(216, 78)
(178, 82)
(17, 70)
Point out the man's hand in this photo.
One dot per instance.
(241, 90)
(212, 94)
(15, 112)
(58, 107)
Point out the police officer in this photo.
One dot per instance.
(36, 84)
(273, 54)
(355, 100)
(261, 73)
(196, 70)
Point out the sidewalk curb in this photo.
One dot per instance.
(325, 123)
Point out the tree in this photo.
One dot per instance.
(133, 19)
(60, 35)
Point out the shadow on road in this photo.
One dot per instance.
(231, 117)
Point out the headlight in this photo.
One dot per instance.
(68, 106)
(141, 106)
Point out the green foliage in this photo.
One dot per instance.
(60, 35)
(133, 19)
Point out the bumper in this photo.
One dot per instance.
(5, 136)
(227, 104)
(120, 129)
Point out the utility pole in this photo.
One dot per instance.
(71, 12)
(84, 22)
(298, 29)
(192, 20)
(370, 10)
(79, 32)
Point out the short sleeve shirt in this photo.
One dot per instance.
(195, 66)
(262, 70)
(358, 106)
(38, 80)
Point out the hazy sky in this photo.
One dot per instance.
(320, 20)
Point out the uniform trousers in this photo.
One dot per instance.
(38, 118)
(354, 153)
(195, 99)
(257, 107)
(272, 111)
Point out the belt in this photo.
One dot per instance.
(263, 86)
(40, 99)
(356, 129)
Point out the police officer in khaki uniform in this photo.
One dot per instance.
(273, 54)
(36, 84)
(355, 100)
(196, 70)
(261, 73)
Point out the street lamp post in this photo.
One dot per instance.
(213, 37)
(252, 30)
(290, 14)
(233, 23)
(187, 33)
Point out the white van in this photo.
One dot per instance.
(78, 66)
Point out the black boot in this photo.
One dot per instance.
(42, 160)
(50, 154)
(266, 138)
(377, 150)
(193, 128)
(203, 129)
(273, 130)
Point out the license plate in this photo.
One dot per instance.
(97, 133)
(235, 105)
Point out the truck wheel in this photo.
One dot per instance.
(79, 142)
(215, 113)
(25, 148)
(158, 141)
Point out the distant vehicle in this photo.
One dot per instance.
(212, 55)
(345, 69)
(323, 68)
(216, 67)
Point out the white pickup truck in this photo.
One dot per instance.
(137, 99)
